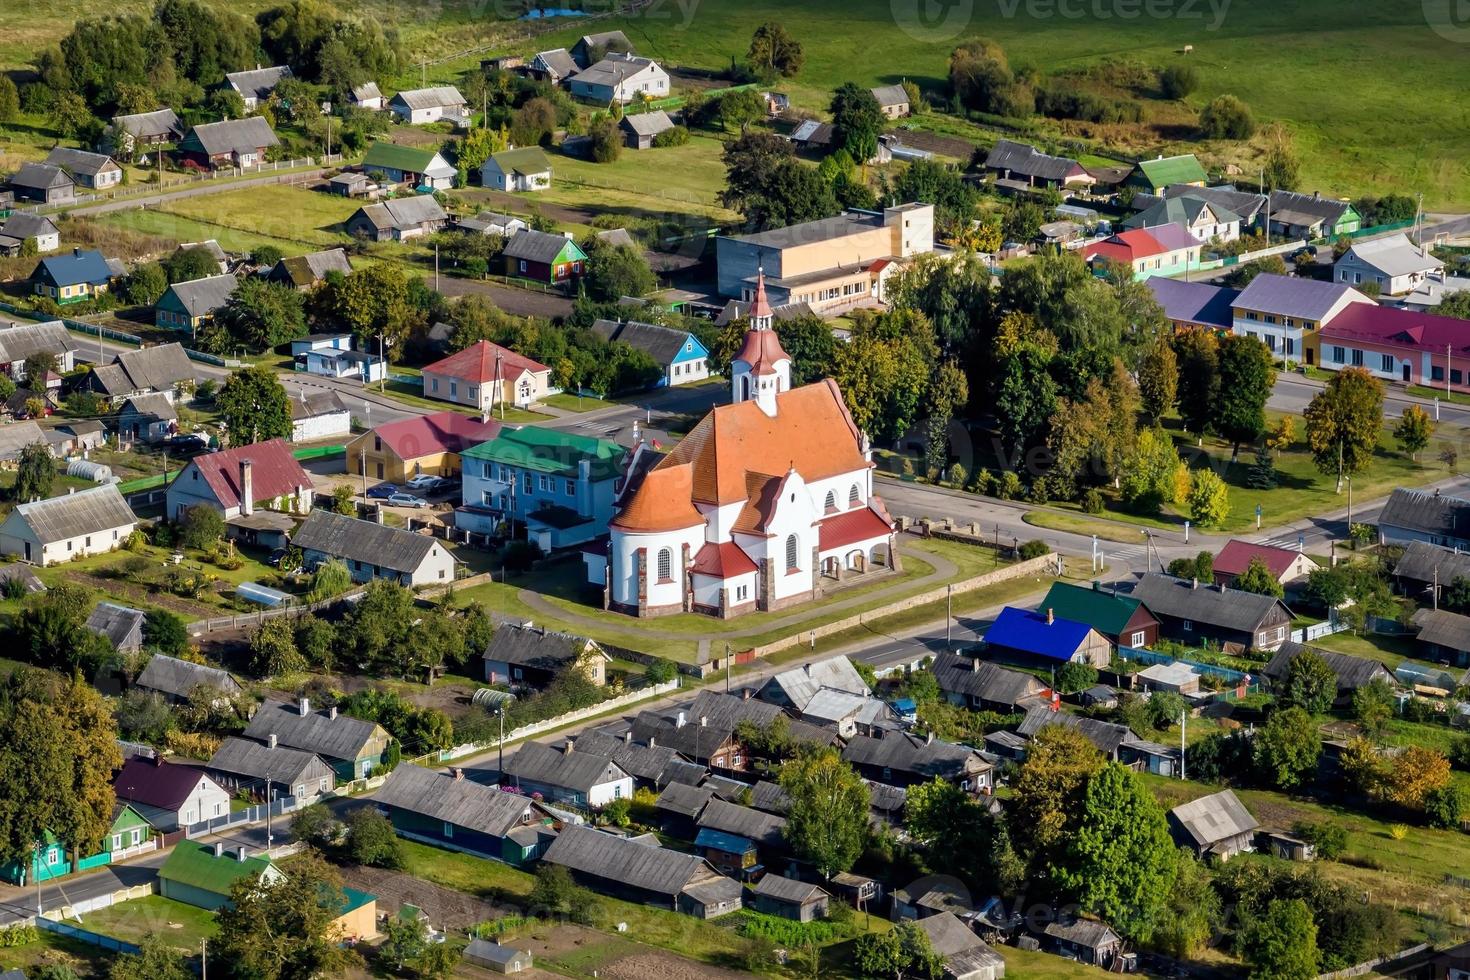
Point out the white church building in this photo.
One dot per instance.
(764, 500)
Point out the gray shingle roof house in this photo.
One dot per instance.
(1192, 611)
(681, 800)
(400, 218)
(158, 368)
(1423, 565)
(646, 873)
(1217, 824)
(23, 225)
(649, 764)
(977, 684)
(554, 65)
(1351, 672)
(198, 298)
(177, 679)
(892, 99)
(86, 522)
(146, 128)
(43, 182)
(533, 656)
(764, 829)
(901, 759)
(1313, 215)
(789, 898)
(426, 105)
(372, 550)
(1444, 635)
(568, 775)
(966, 955)
(241, 763)
(1084, 940)
(1248, 204)
(535, 246)
(704, 731)
(592, 47)
(29, 339)
(239, 141)
(1010, 160)
(1418, 515)
(305, 271)
(1108, 737)
(1395, 264)
(256, 84)
(796, 687)
(640, 128)
(122, 626)
(421, 802)
(351, 746)
(89, 169)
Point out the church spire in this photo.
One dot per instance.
(760, 310)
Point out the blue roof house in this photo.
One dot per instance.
(1043, 639)
(730, 853)
(75, 277)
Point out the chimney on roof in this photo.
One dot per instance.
(458, 774)
(704, 721)
(332, 712)
(679, 720)
(247, 488)
(628, 737)
(1051, 616)
(929, 738)
(241, 854)
(219, 848)
(303, 705)
(270, 740)
(974, 665)
(745, 694)
(1194, 583)
(652, 741)
(571, 745)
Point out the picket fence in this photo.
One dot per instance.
(250, 814)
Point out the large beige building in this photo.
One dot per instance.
(834, 264)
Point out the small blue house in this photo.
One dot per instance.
(682, 357)
(48, 862)
(730, 853)
(1044, 639)
(76, 277)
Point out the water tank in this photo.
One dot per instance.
(88, 470)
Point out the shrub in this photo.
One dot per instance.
(677, 136)
(194, 745)
(1177, 81)
(1009, 487)
(1398, 831)
(1330, 839)
(1445, 807)
(1227, 118)
(1092, 501)
(1033, 549)
(661, 671)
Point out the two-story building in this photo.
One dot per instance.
(558, 485)
(833, 264)
(1287, 313)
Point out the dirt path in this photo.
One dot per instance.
(521, 302)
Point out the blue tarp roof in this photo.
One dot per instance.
(905, 706)
(1029, 632)
(721, 841)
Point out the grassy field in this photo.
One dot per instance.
(648, 183)
(1351, 131)
(180, 925)
(1408, 874)
(1075, 524)
(308, 219)
(575, 403)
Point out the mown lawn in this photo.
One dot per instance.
(647, 183)
(180, 925)
(278, 211)
(1076, 524)
(411, 393)
(575, 403)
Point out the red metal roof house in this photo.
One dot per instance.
(237, 481)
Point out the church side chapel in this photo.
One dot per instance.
(764, 501)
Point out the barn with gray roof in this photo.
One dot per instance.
(645, 872)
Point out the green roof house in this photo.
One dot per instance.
(1123, 619)
(524, 169)
(560, 484)
(1157, 174)
(48, 862)
(203, 874)
(409, 165)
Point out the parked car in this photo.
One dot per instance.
(383, 491)
(188, 444)
(406, 500)
(422, 482)
(274, 561)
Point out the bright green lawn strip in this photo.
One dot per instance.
(1022, 964)
(1057, 521)
(1388, 650)
(180, 925)
(408, 393)
(574, 403)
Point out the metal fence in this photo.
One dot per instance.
(248, 815)
(86, 936)
(201, 627)
(1142, 656)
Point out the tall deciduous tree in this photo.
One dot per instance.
(286, 929)
(1287, 747)
(1343, 422)
(1310, 683)
(827, 823)
(35, 473)
(1154, 474)
(1048, 793)
(261, 315)
(858, 119)
(1120, 861)
(1198, 353)
(58, 751)
(1209, 499)
(1413, 431)
(1281, 944)
(961, 836)
(1258, 578)
(254, 406)
(1158, 379)
(949, 390)
(1246, 377)
(774, 52)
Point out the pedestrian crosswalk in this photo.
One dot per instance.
(1287, 541)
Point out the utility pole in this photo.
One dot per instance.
(436, 267)
(949, 618)
(382, 362)
(500, 744)
(1183, 721)
(362, 465)
(204, 959)
(727, 668)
